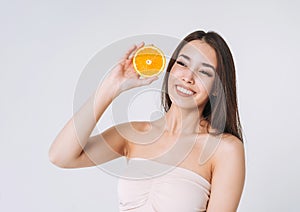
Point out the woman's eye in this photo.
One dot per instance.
(205, 72)
(180, 63)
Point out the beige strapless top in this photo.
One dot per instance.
(153, 186)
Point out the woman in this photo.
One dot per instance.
(199, 97)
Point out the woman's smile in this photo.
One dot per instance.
(184, 91)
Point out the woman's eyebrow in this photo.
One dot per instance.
(204, 64)
(209, 66)
(185, 56)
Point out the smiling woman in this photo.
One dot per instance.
(201, 74)
(208, 54)
(201, 118)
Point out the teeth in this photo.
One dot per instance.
(183, 90)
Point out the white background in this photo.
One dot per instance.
(45, 45)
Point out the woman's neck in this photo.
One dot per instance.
(178, 121)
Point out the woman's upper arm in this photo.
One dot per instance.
(101, 148)
(228, 176)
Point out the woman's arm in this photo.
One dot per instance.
(67, 149)
(73, 147)
(228, 176)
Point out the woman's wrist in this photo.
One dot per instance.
(108, 90)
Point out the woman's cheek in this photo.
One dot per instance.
(175, 73)
(203, 86)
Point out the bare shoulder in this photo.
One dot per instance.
(229, 146)
(230, 143)
(140, 125)
(228, 174)
(135, 125)
(132, 132)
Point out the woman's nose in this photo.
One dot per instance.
(188, 76)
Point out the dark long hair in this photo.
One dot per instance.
(220, 111)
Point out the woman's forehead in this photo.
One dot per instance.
(199, 51)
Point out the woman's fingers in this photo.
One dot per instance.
(126, 56)
(134, 51)
(130, 53)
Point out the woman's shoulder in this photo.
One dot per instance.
(230, 139)
(230, 143)
(135, 125)
(229, 146)
(133, 131)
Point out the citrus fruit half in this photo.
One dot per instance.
(149, 61)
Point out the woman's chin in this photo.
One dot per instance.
(184, 104)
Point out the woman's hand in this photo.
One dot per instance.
(123, 76)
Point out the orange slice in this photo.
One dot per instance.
(149, 61)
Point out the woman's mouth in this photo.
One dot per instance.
(184, 91)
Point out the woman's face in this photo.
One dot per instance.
(192, 75)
